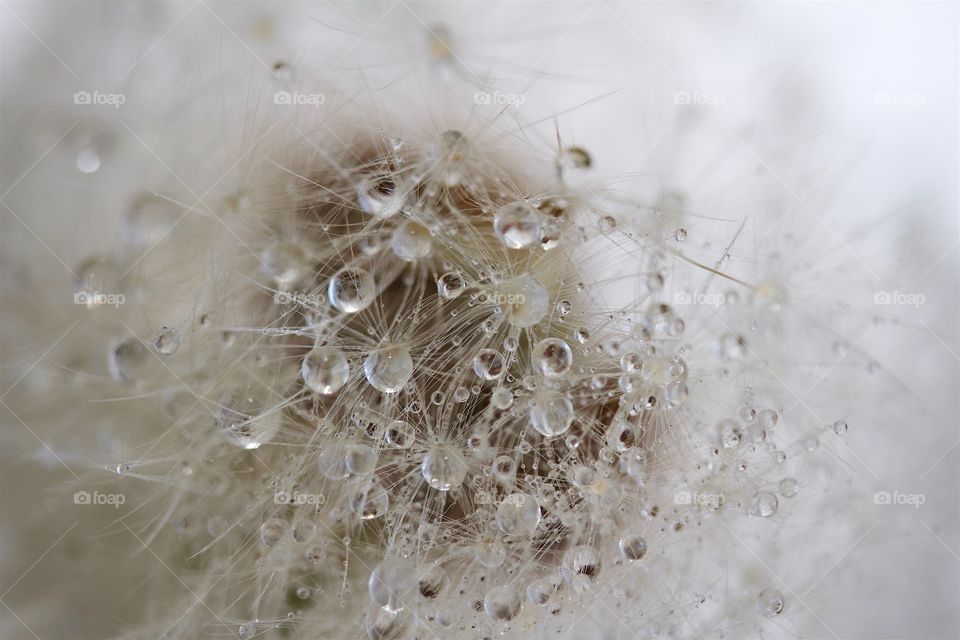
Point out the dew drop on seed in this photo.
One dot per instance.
(148, 220)
(788, 488)
(243, 419)
(411, 241)
(516, 225)
(303, 593)
(167, 341)
(247, 630)
(524, 300)
(385, 623)
(488, 364)
(360, 459)
(451, 284)
(764, 504)
(370, 501)
(433, 581)
(540, 590)
(607, 224)
(770, 603)
(461, 394)
(444, 468)
(503, 603)
(325, 370)
(127, 360)
(839, 427)
(680, 234)
(518, 514)
(502, 399)
(332, 461)
(271, 531)
(631, 362)
(551, 415)
(399, 434)
(581, 335)
(379, 196)
(351, 290)
(581, 560)
(388, 368)
(504, 468)
(392, 583)
(564, 307)
(552, 357)
(731, 433)
(285, 262)
(633, 547)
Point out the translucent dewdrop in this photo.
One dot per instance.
(167, 341)
(411, 241)
(488, 364)
(552, 357)
(360, 459)
(332, 461)
(516, 225)
(501, 399)
(770, 603)
(433, 582)
(518, 514)
(127, 360)
(764, 504)
(581, 560)
(444, 468)
(148, 220)
(539, 591)
(379, 197)
(351, 290)
(388, 368)
(384, 623)
(451, 284)
(503, 603)
(839, 427)
(524, 300)
(392, 583)
(400, 434)
(788, 488)
(552, 415)
(633, 547)
(272, 531)
(325, 370)
(243, 418)
(370, 501)
(285, 262)
(731, 433)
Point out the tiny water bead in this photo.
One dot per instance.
(518, 514)
(501, 399)
(444, 468)
(731, 433)
(551, 415)
(488, 364)
(540, 590)
(764, 504)
(524, 299)
(633, 547)
(325, 370)
(127, 360)
(400, 434)
(244, 418)
(360, 459)
(839, 427)
(788, 488)
(272, 531)
(451, 284)
(351, 290)
(167, 341)
(433, 581)
(379, 196)
(503, 603)
(581, 560)
(285, 262)
(388, 368)
(552, 357)
(411, 241)
(517, 225)
(770, 602)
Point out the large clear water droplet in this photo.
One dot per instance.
(411, 241)
(503, 603)
(325, 370)
(518, 514)
(444, 468)
(488, 364)
(244, 418)
(351, 290)
(551, 415)
(517, 225)
(388, 368)
(552, 357)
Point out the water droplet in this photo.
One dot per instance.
(393, 583)
(731, 433)
(444, 468)
(271, 531)
(789, 488)
(243, 419)
(370, 501)
(379, 197)
(167, 341)
(564, 307)
(351, 290)
(488, 364)
(633, 547)
(581, 560)
(451, 284)
(551, 415)
(524, 300)
(360, 459)
(539, 591)
(127, 360)
(285, 262)
(839, 427)
(552, 357)
(581, 335)
(385, 623)
(148, 220)
(400, 434)
(388, 368)
(411, 241)
(517, 225)
(607, 224)
(325, 370)
(518, 514)
(433, 582)
(680, 235)
(502, 399)
(764, 504)
(503, 603)
(770, 602)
